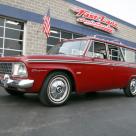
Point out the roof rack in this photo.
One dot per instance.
(107, 38)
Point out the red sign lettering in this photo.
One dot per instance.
(95, 20)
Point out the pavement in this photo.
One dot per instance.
(104, 114)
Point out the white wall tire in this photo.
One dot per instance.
(130, 90)
(56, 89)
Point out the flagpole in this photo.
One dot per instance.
(42, 18)
(45, 23)
(49, 3)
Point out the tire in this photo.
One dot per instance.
(14, 92)
(56, 89)
(130, 90)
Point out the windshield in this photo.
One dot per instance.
(69, 48)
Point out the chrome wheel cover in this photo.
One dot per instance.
(133, 86)
(58, 89)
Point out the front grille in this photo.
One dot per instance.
(5, 68)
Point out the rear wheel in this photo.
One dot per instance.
(14, 92)
(56, 89)
(130, 90)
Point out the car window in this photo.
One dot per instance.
(98, 50)
(70, 48)
(115, 53)
(130, 55)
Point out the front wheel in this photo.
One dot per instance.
(130, 90)
(56, 89)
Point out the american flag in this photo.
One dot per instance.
(46, 24)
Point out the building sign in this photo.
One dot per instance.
(95, 20)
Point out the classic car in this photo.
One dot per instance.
(81, 65)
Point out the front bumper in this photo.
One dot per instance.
(22, 84)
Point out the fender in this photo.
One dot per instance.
(39, 72)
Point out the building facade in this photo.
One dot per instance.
(21, 25)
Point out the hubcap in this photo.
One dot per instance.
(58, 89)
(133, 86)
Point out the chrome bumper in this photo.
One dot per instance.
(6, 82)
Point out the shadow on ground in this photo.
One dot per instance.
(32, 99)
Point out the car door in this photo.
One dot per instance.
(121, 69)
(98, 70)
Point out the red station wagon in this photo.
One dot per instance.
(82, 65)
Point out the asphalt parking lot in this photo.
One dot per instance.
(104, 114)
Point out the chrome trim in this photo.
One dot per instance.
(58, 89)
(51, 60)
(6, 82)
(6, 67)
(101, 62)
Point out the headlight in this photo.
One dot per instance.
(19, 69)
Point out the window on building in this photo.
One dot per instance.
(11, 37)
(58, 35)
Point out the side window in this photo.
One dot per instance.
(97, 50)
(115, 53)
(130, 56)
(100, 50)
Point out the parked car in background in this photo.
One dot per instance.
(82, 65)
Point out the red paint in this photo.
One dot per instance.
(90, 74)
(95, 20)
